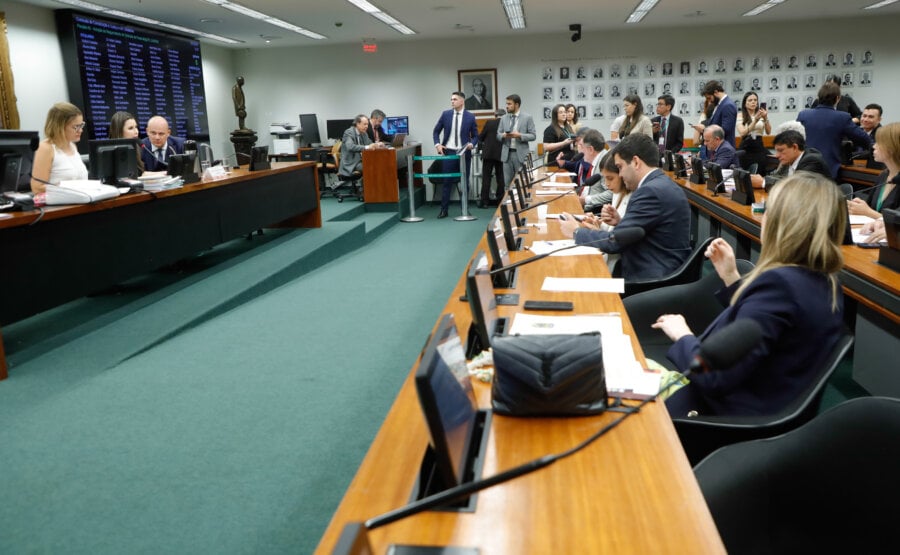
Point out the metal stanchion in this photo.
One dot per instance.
(411, 175)
(464, 194)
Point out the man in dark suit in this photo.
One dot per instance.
(870, 122)
(159, 145)
(826, 127)
(460, 132)
(657, 205)
(668, 129)
(718, 150)
(376, 131)
(491, 165)
(725, 114)
(793, 156)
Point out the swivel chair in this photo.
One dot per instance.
(829, 486)
(686, 273)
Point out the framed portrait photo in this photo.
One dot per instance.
(480, 88)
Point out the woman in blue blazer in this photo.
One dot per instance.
(794, 295)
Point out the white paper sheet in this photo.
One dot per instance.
(584, 285)
(858, 237)
(859, 219)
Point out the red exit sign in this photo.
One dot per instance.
(370, 48)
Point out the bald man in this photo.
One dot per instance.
(159, 145)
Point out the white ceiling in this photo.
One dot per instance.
(342, 22)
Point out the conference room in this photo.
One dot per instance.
(362, 64)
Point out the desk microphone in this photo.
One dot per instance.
(720, 350)
(624, 237)
(542, 203)
(869, 189)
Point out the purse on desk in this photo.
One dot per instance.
(548, 375)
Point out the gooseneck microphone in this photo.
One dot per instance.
(542, 203)
(624, 237)
(720, 350)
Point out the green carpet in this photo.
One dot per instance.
(238, 435)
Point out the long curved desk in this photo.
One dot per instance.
(633, 490)
(873, 290)
(65, 252)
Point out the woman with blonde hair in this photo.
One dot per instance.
(123, 125)
(792, 293)
(885, 194)
(57, 158)
(635, 119)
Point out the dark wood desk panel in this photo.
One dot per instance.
(632, 490)
(75, 250)
(380, 167)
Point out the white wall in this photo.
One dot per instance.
(415, 79)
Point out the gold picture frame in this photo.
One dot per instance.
(9, 112)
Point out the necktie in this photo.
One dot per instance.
(358, 139)
(662, 127)
(454, 132)
(159, 155)
(375, 133)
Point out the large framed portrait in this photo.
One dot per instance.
(480, 88)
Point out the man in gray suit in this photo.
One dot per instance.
(516, 129)
(354, 141)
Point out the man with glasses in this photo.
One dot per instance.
(159, 145)
(668, 129)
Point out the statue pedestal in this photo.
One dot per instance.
(243, 140)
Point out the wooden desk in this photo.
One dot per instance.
(380, 171)
(71, 251)
(873, 290)
(632, 490)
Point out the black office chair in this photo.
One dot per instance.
(688, 271)
(701, 435)
(352, 181)
(696, 301)
(830, 486)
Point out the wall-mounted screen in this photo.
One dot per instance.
(397, 124)
(115, 66)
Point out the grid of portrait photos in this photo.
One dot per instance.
(786, 83)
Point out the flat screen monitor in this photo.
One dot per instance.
(743, 188)
(448, 405)
(716, 182)
(309, 130)
(697, 171)
(891, 227)
(112, 159)
(336, 127)
(515, 203)
(396, 124)
(680, 169)
(508, 231)
(16, 158)
(114, 65)
(483, 304)
(497, 246)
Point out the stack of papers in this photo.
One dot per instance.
(160, 181)
(78, 191)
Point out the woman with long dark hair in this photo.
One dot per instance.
(751, 126)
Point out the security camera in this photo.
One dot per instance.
(338, 24)
(576, 27)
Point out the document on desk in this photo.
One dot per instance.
(584, 285)
(552, 192)
(544, 247)
(858, 236)
(624, 375)
(859, 219)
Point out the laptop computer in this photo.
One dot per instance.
(398, 140)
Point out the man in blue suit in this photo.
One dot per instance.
(460, 132)
(718, 150)
(159, 145)
(657, 205)
(826, 127)
(725, 114)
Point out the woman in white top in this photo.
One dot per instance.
(751, 126)
(57, 159)
(635, 120)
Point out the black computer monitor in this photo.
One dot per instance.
(483, 304)
(396, 124)
(716, 181)
(309, 128)
(515, 203)
(743, 188)
(680, 169)
(259, 158)
(113, 159)
(697, 171)
(335, 127)
(16, 158)
(449, 407)
(513, 243)
(499, 250)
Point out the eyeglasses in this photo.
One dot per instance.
(78, 126)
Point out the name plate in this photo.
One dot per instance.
(214, 173)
